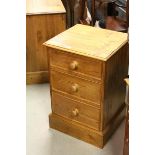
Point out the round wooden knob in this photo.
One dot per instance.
(75, 112)
(74, 65)
(75, 87)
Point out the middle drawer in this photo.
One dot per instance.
(77, 87)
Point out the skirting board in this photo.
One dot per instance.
(37, 77)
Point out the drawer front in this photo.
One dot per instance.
(75, 63)
(74, 110)
(77, 87)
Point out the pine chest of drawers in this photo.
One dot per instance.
(87, 66)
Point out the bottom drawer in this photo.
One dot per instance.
(77, 111)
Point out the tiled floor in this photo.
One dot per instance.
(44, 141)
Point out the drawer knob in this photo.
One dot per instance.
(75, 87)
(75, 112)
(74, 65)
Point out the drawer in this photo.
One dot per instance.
(75, 63)
(77, 87)
(75, 110)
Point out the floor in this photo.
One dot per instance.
(44, 141)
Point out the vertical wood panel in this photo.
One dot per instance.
(40, 28)
(114, 90)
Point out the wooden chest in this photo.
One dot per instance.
(44, 19)
(87, 66)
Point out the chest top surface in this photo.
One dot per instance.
(89, 41)
(44, 7)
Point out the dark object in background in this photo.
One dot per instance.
(102, 23)
(73, 11)
(76, 12)
(69, 14)
(111, 10)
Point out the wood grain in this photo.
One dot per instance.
(40, 28)
(91, 67)
(34, 7)
(72, 128)
(89, 41)
(86, 90)
(111, 127)
(116, 69)
(76, 98)
(64, 106)
(76, 130)
(37, 77)
(87, 104)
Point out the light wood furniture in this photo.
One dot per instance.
(44, 19)
(126, 137)
(86, 83)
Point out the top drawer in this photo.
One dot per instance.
(75, 63)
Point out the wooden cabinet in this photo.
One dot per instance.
(86, 66)
(44, 19)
